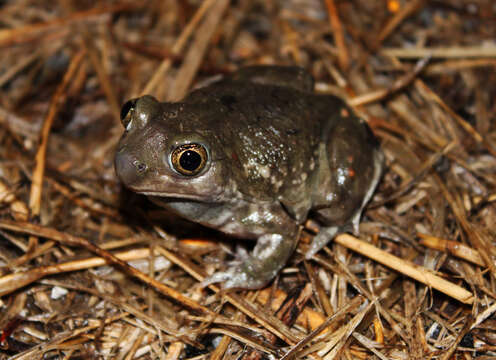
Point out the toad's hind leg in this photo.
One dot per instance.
(320, 240)
(253, 271)
(326, 234)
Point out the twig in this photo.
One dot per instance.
(270, 322)
(57, 100)
(337, 31)
(197, 51)
(18, 208)
(335, 317)
(178, 46)
(442, 52)
(405, 267)
(473, 233)
(397, 85)
(464, 124)
(28, 228)
(17, 280)
(452, 348)
(30, 32)
(339, 337)
(37, 351)
(103, 77)
(365, 341)
(451, 247)
(410, 8)
(449, 66)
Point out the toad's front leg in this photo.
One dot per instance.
(254, 270)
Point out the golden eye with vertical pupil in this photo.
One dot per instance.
(189, 159)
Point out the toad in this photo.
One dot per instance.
(253, 155)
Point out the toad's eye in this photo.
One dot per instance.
(189, 159)
(127, 112)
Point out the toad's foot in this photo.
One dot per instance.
(326, 234)
(253, 271)
(321, 239)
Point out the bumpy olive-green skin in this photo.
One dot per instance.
(276, 151)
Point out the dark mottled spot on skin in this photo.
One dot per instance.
(228, 101)
(267, 108)
(276, 94)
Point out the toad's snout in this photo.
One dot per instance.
(129, 169)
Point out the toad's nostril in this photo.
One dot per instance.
(127, 168)
(140, 166)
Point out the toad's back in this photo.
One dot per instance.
(273, 131)
(287, 139)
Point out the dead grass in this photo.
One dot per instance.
(420, 283)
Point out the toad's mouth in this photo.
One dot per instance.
(171, 196)
(164, 197)
(160, 200)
